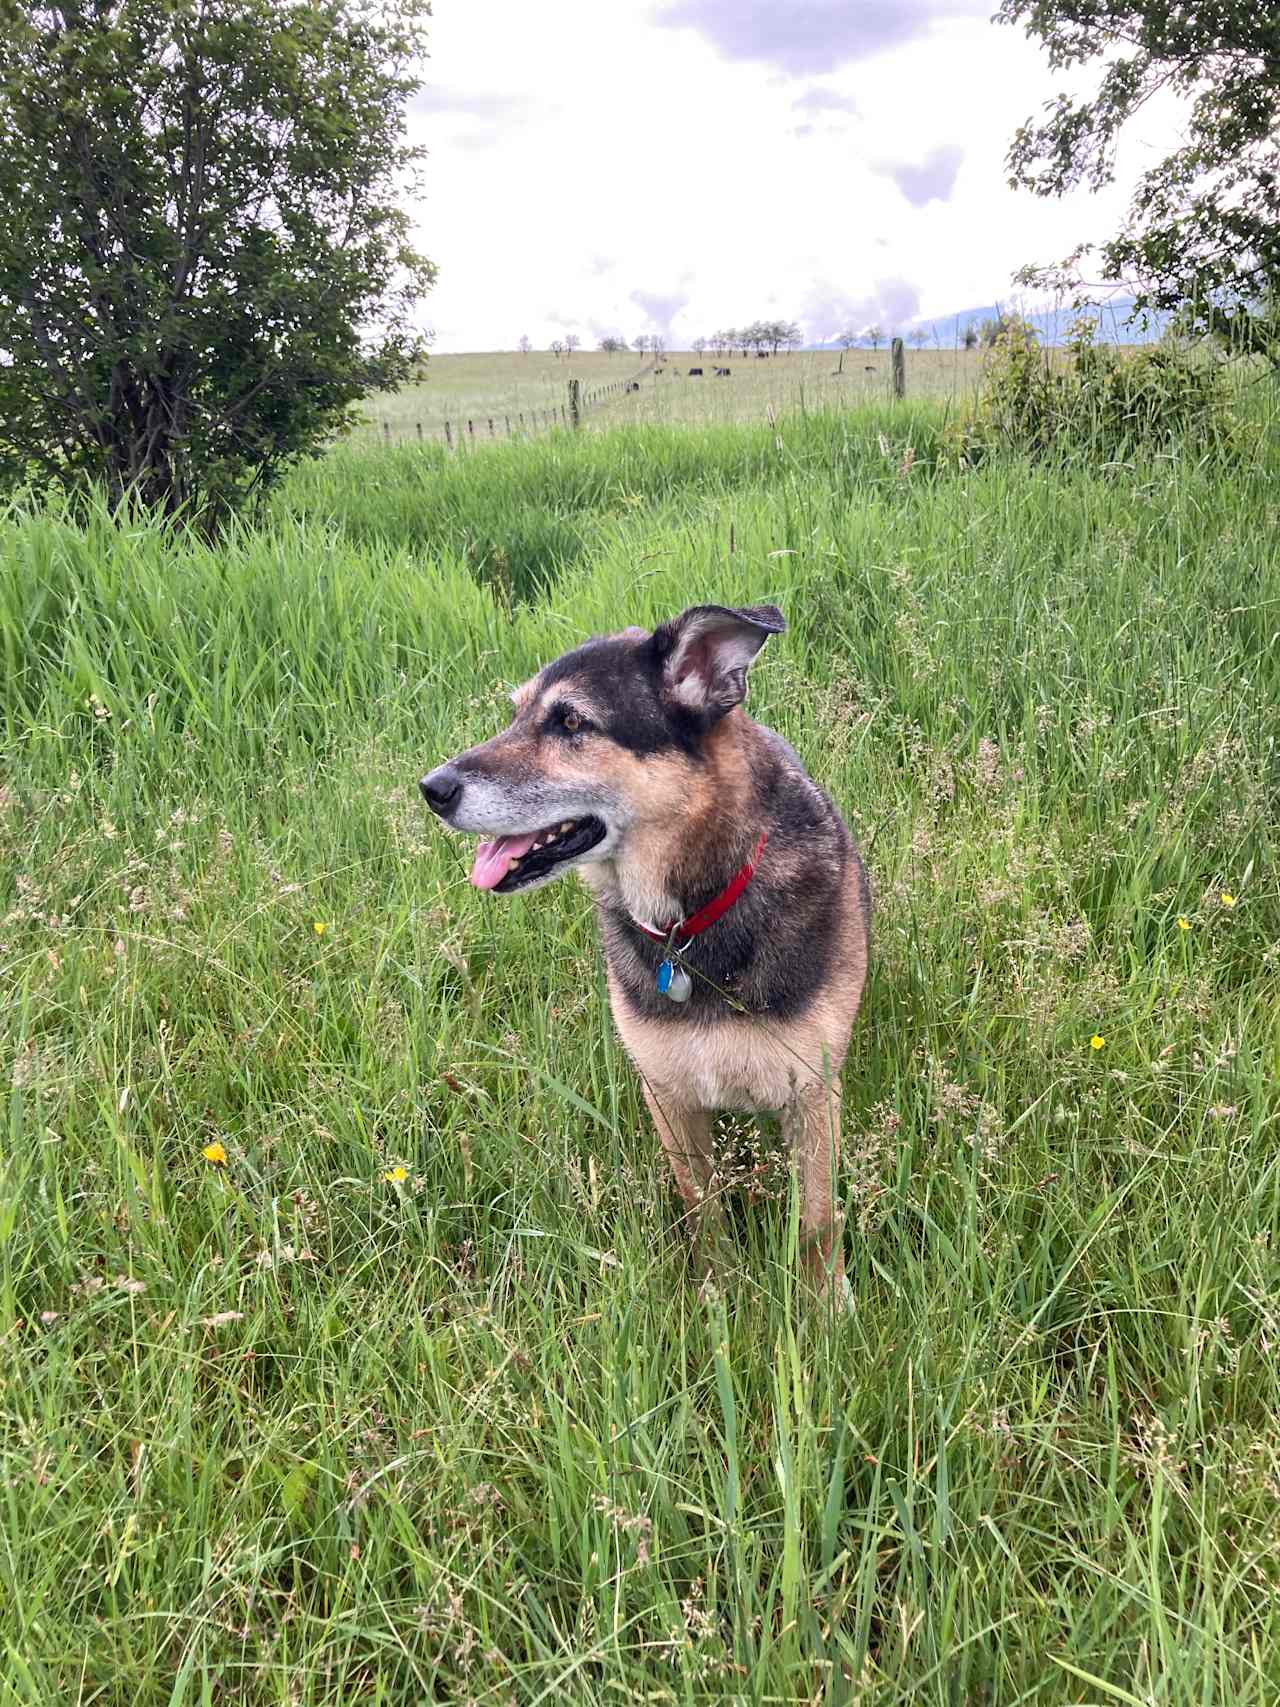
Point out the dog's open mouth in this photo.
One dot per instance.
(511, 862)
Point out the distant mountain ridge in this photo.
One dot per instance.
(1116, 323)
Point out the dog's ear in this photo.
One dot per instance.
(706, 653)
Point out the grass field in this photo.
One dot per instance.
(348, 1351)
(501, 386)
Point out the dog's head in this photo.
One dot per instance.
(607, 738)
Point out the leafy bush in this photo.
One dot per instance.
(1093, 400)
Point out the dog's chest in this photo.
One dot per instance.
(731, 1064)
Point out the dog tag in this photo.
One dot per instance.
(674, 982)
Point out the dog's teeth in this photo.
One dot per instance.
(512, 864)
(551, 836)
(567, 826)
(538, 845)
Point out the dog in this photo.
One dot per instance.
(733, 905)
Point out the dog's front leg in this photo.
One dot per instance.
(686, 1137)
(811, 1125)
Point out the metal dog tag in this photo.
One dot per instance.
(674, 982)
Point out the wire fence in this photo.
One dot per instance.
(467, 431)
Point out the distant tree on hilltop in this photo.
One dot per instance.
(846, 340)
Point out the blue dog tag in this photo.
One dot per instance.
(674, 982)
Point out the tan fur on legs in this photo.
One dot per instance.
(811, 1125)
(686, 1137)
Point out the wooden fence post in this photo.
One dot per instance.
(899, 368)
(471, 428)
(575, 403)
(418, 424)
(448, 436)
(386, 432)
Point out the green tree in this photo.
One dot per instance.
(846, 340)
(1202, 232)
(203, 260)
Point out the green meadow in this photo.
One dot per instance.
(349, 1349)
(505, 393)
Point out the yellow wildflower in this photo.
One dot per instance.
(1184, 923)
(215, 1153)
(1096, 1042)
(1227, 900)
(319, 927)
(396, 1175)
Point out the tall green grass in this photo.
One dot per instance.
(299, 1428)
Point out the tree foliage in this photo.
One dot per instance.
(1202, 233)
(991, 331)
(1092, 402)
(759, 335)
(203, 259)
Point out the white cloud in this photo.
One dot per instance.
(807, 36)
(642, 177)
(820, 100)
(932, 180)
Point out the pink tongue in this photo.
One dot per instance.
(491, 858)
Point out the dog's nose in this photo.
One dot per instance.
(441, 788)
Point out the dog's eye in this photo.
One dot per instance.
(564, 720)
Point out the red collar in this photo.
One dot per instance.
(697, 922)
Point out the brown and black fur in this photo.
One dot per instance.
(640, 739)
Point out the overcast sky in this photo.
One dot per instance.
(675, 166)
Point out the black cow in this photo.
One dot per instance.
(695, 373)
(633, 385)
(722, 373)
